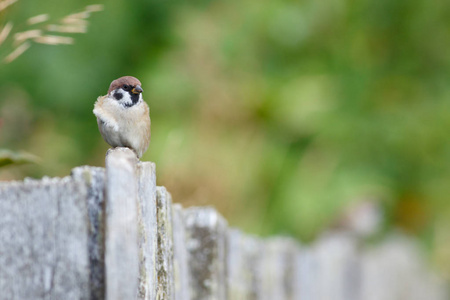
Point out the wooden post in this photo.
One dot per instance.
(121, 232)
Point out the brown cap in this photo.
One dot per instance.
(128, 80)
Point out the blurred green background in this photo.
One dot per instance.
(281, 114)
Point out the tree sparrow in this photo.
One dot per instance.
(123, 116)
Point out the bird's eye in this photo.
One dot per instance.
(126, 87)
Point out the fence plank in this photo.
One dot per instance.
(44, 240)
(308, 275)
(147, 230)
(94, 179)
(339, 273)
(164, 254)
(206, 237)
(121, 235)
(395, 270)
(278, 267)
(244, 275)
(180, 260)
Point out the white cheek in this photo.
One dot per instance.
(126, 99)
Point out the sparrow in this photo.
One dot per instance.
(123, 117)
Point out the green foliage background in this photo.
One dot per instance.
(279, 113)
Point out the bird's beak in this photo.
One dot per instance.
(137, 89)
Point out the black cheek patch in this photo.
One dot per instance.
(118, 96)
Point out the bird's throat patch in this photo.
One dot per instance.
(134, 98)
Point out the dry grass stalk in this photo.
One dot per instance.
(94, 7)
(73, 23)
(38, 19)
(5, 32)
(25, 35)
(5, 3)
(54, 40)
(78, 18)
(17, 52)
(67, 28)
(80, 15)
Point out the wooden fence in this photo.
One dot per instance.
(113, 234)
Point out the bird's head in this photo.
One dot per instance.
(126, 90)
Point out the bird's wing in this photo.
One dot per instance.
(104, 118)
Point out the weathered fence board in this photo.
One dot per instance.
(308, 275)
(121, 231)
(278, 263)
(338, 269)
(244, 272)
(180, 255)
(44, 240)
(164, 258)
(206, 237)
(147, 230)
(94, 178)
(112, 234)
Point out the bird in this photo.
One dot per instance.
(123, 117)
